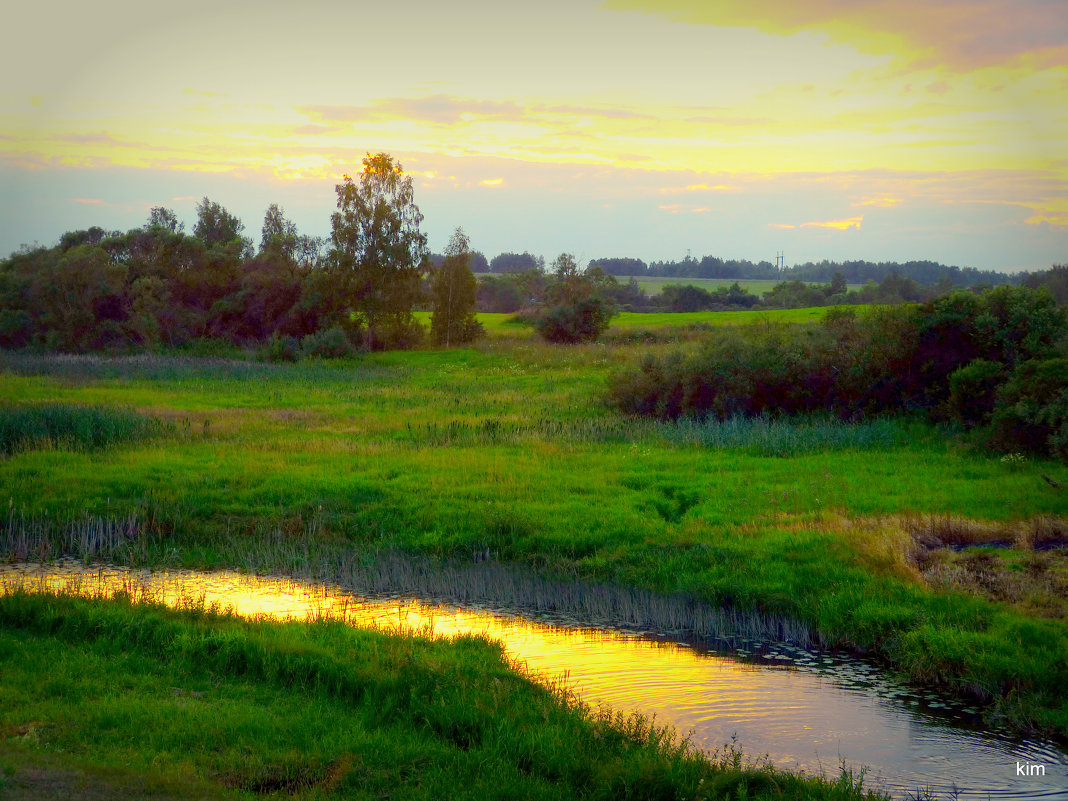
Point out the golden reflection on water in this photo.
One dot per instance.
(801, 717)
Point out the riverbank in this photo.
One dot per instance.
(143, 701)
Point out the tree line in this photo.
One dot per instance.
(925, 273)
(156, 286)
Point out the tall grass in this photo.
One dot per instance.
(761, 436)
(57, 426)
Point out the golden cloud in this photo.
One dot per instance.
(838, 225)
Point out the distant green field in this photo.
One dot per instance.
(500, 324)
(652, 285)
(660, 319)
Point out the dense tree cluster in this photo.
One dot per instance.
(156, 286)
(995, 360)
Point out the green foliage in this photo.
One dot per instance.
(454, 296)
(1032, 409)
(583, 321)
(59, 425)
(280, 348)
(218, 227)
(973, 391)
(331, 343)
(378, 250)
(578, 308)
(949, 357)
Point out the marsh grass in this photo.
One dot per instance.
(35, 538)
(60, 426)
(755, 435)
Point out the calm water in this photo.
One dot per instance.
(803, 709)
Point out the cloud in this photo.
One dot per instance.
(451, 110)
(100, 137)
(88, 201)
(491, 182)
(838, 225)
(962, 33)
(880, 202)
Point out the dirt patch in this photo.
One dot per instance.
(36, 775)
(1023, 564)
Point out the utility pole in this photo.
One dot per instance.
(780, 260)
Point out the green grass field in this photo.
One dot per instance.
(653, 285)
(498, 324)
(508, 449)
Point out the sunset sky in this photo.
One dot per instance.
(873, 129)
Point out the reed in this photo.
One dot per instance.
(761, 436)
(54, 426)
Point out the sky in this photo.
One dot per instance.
(886, 130)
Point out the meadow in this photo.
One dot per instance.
(501, 324)
(892, 537)
(652, 285)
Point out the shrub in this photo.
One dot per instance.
(973, 391)
(329, 343)
(583, 321)
(1032, 409)
(280, 348)
(953, 357)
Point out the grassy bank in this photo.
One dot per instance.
(506, 452)
(142, 701)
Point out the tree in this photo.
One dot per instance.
(579, 308)
(515, 263)
(378, 250)
(165, 219)
(279, 236)
(454, 292)
(216, 226)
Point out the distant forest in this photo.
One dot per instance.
(924, 273)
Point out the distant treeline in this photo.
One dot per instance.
(514, 291)
(925, 273)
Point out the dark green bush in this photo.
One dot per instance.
(280, 348)
(973, 391)
(583, 321)
(1032, 409)
(330, 343)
